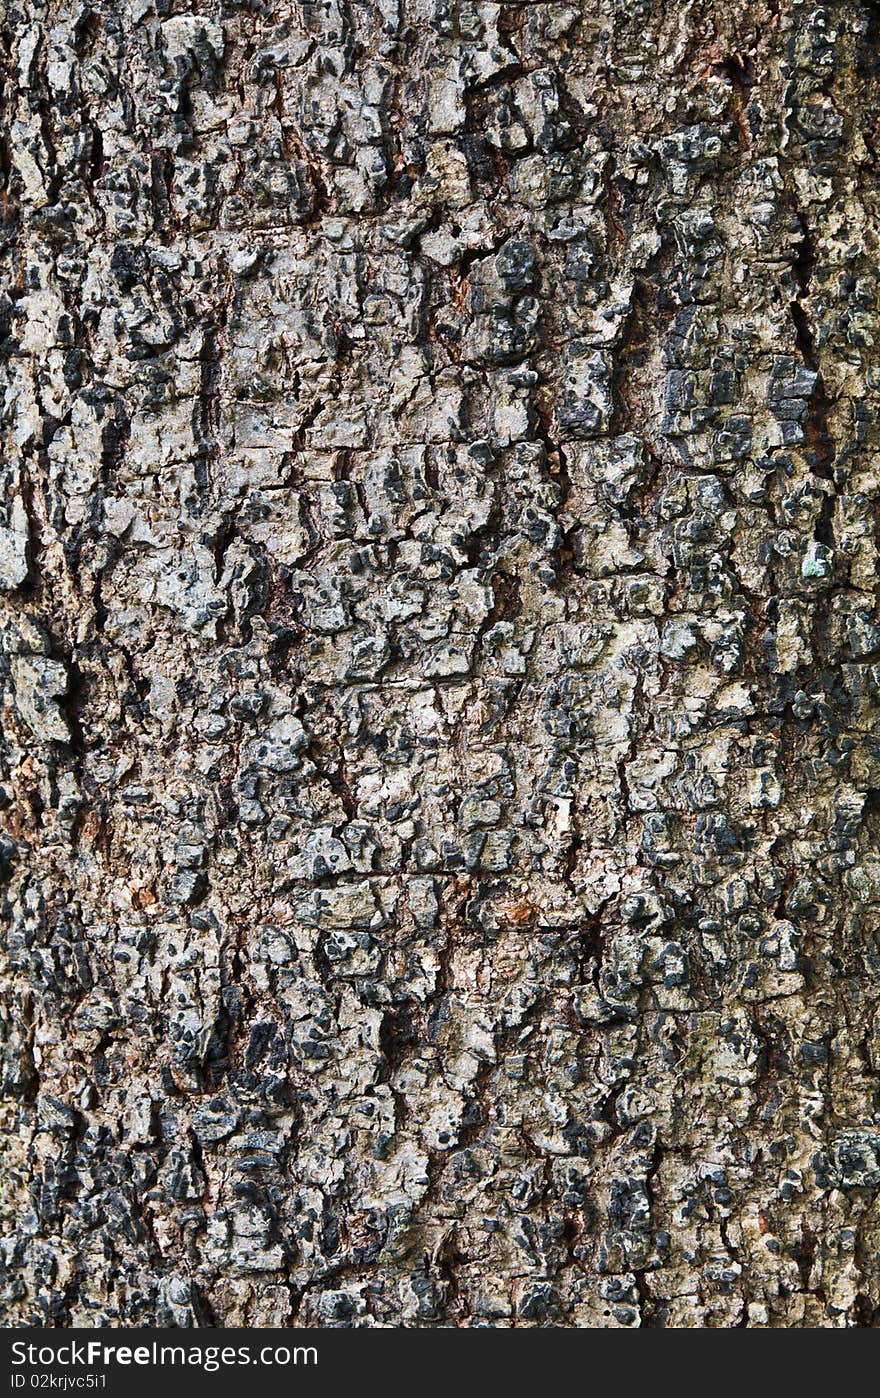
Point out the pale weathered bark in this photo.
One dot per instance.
(440, 663)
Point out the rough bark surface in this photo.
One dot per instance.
(440, 663)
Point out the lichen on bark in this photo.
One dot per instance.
(440, 663)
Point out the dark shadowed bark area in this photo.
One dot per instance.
(440, 663)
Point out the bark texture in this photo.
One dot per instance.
(440, 663)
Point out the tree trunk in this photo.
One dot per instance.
(440, 663)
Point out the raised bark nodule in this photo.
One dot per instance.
(440, 663)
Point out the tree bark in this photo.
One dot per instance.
(440, 663)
